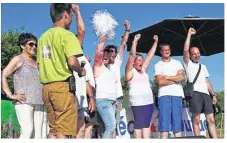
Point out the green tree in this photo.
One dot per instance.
(155, 87)
(125, 89)
(9, 49)
(218, 117)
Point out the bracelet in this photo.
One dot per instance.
(9, 96)
(92, 96)
(132, 54)
(127, 30)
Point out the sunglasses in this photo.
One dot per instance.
(110, 50)
(31, 44)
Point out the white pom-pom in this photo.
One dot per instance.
(104, 24)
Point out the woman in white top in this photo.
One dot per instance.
(140, 93)
(106, 89)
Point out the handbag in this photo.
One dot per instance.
(216, 108)
(189, 87)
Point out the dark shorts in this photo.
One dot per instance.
(201, 103)
(142, 115)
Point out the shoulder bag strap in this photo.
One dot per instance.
(197, 74)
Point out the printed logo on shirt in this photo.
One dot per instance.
(46, 52)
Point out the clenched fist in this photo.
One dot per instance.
(136, 38)
(75, 8)
(191, 31)
(155, 38)
(127, 25)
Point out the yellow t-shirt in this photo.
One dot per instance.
(54, 46)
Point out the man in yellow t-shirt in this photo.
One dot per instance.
(56, 55)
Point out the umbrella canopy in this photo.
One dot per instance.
(209, 37)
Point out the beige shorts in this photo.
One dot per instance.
(62, 110)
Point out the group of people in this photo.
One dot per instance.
(74, 94)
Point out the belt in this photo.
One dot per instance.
(67, 80)
(79, 55)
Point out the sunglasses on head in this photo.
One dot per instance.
(31, 44)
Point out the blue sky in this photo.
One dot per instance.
(36, 19)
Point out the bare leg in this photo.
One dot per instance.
(146, 133)
(211, 125)
(88, 130)
(195, 125)
(164, 135)
(51, 136)
(177, 134)
(80, 128)
(114, 134)
(138, 133)
(62, 137)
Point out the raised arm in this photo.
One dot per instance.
(13, 65)
(124, 39)
(99, 52)
(80, 23)
(150, 53)
(186, 55)
(131, 58)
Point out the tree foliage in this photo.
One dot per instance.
(9, 49)
(220, 97)
(125, 89)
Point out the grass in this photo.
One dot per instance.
(220, 136)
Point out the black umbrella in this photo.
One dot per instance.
(209, 37)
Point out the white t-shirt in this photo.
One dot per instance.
(81, 83)
(200, 84)
(89, 71)
(140, 92)
(115, 68)
(169, 69)
(106, 85)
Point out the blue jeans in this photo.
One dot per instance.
(106, 109)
